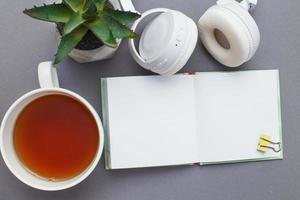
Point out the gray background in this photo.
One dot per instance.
(25, 42)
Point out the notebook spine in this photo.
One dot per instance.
(105, 118)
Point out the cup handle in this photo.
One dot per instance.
(47, 75)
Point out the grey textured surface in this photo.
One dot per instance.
(26, 42)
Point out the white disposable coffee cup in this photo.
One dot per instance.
(49, 85)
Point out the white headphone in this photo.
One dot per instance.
(169, 40)
(234, 22)
(166, 43)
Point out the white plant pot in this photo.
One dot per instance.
(101, 53)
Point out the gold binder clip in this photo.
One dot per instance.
(265, 143)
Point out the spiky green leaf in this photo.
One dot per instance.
(51, 13)
(75, 20)
(124, 17)
(68, 42)
(91, 11)
(100, 4)
(87, 4)
(75, 5)
(101, 30)
(119, 30)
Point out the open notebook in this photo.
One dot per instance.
(206, 118)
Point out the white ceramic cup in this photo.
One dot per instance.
(49, 85)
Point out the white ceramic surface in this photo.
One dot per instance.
(49, 85)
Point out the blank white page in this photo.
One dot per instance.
(233, 110)
(151, 121)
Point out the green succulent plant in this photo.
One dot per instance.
(80, 16)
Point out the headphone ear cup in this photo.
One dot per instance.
(167, 42)
(249, 23)
(239, 29)
(185, 43)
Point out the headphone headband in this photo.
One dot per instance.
(127, 5)
(247, 4)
